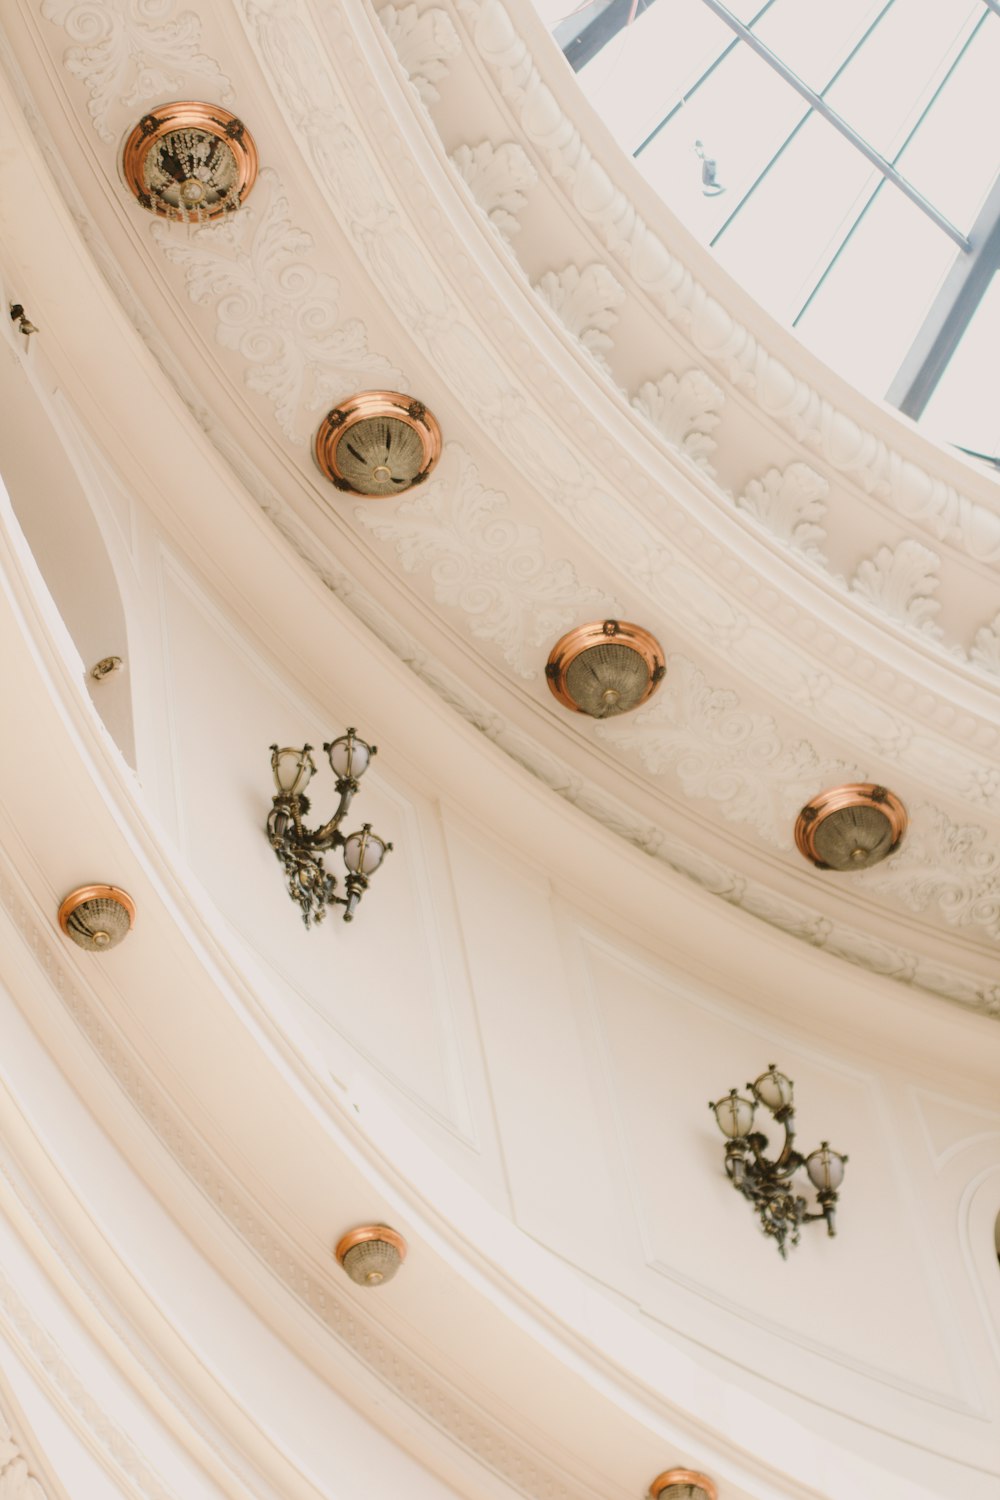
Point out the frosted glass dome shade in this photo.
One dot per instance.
(734, 1115)
(364, 852)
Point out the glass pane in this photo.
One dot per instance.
(786, 233)
(892, 78)
(867, 313)
(814, 37)
(964, 408)
(953, 158)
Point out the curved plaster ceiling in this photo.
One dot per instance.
(625, 435)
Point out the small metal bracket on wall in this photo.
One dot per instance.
(106, 667)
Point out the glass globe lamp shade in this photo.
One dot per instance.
(292, 769)
(773, 1089)
(734, 1115)
(825, 1168)
(364, 851)
(349, 756)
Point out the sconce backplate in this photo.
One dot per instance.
(190, 161)
(850, 827)
(604, 668)
(378, 443)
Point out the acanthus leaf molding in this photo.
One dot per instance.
(424, 42)
(790, 504)
(276, 310)
(130, 54)
(900, 581)
(498, 177)
(985, 649)
(867, 458)
(587, 302)
(485, 563)
(686, 411)
(16, 1480)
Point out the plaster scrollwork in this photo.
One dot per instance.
(498, 177)
(901, 581)
(16, 1480)
(863, 456)
(790, 503)
(424, 42)
(130, 54)
(587, 302)
(948, 866)
(485, 563)
(718, 750)
(686, 411)
(275, 309)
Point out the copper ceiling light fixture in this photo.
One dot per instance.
(683, 1484)
(190, 161)
(371, 1254)
(605, 668)
(378, 443)
(97, 917)
(850, 827)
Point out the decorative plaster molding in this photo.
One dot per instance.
(985, 649)
(275, 309)
(498, 177)
(718, 750)
(864, 457)
(291, 66)
(16, 1479)
(790, 504)
(951, 867)
(587, 303)
(486, 563)
(435, 1399)
(132, 53)
(424, 43)
(45, 1352)
(900, 581)
(685, 411)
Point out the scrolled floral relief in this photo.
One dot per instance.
(275, 308)
(484, 562)
(134, 53)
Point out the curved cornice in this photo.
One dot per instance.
(765, 643)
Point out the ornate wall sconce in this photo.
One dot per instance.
(766, 1183)
(682, 1484)
(190, 161)
(300, 849)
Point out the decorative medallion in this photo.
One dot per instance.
(97, 917)
(378, 443)
(850, 827)
(371, 1254)
(605, 668)
(190, 161)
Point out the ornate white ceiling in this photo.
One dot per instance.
(624, 435)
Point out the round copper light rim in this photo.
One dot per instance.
(680, 1479)
(190, 161)
(86, 905)
(378, 443)
(866, 815)
(370, 1232)
(610, 693)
